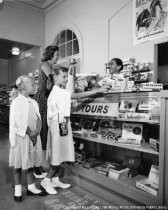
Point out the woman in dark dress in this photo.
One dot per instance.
(50, 57)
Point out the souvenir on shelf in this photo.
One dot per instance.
(154, 144)
(128, 106)
(110, 130)
(131, 134)
(91, 163)
(133, 163)
(150, 184)
(103, 169)
(88, 124)
(118, 174)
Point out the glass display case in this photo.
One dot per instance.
(120, 147)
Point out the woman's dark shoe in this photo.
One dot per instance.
(42, 170)
(42, 193)
(17, 198)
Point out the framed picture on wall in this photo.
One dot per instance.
(150, 20)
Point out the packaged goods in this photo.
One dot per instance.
(118, 174)
(109, 129)
(91, 163)
(84, 82)
(103, 169)
(133, 163)
(150, 184)
(154, 143)
(128, 105)
(132, 131)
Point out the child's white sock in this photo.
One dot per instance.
(18, 190)
(33, 188)
(47, 179)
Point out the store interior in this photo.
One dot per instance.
(92, 32)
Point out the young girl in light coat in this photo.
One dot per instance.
(60, 147)
(25, 125)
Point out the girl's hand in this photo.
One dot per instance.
(35, 133)
(32, 135)
(34, 140)
(28, 131)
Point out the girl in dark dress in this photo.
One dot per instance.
(50, 57)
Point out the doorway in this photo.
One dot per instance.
(13, 65)
(162, 64)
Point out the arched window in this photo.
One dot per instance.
(68, 44)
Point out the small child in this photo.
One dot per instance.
(25, 125)
(60, 147)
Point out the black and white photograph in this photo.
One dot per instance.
(83, 104)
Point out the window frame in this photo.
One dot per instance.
(57, 39)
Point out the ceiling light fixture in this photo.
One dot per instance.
(1, 1)
(15, 51)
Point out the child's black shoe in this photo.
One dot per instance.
(17, 198)
(42, 193)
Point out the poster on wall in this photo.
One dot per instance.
(150, 20)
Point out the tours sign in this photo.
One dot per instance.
(150, 20)
(105, 106)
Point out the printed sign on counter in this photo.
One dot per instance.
(105, 106)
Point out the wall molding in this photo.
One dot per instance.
(53, 5)
(24, 7)
(60, 4)
(35, 8)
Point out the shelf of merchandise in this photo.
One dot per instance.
(126, 185)
(4, 114)
(141, 81)
(145, 147)
(4, 110)
(140, 71)
(124, 192)
(153, 122)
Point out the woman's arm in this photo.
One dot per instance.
(46, 68)
(89, 93)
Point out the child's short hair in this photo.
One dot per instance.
(57, 69)
(20, 81)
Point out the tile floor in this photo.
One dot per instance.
(64, 200)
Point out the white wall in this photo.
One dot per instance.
(23, 64)
(89, 19)
(26, 26)
(20, 25)
(3, 71)
(121, 39)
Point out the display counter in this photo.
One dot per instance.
(120, 144)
